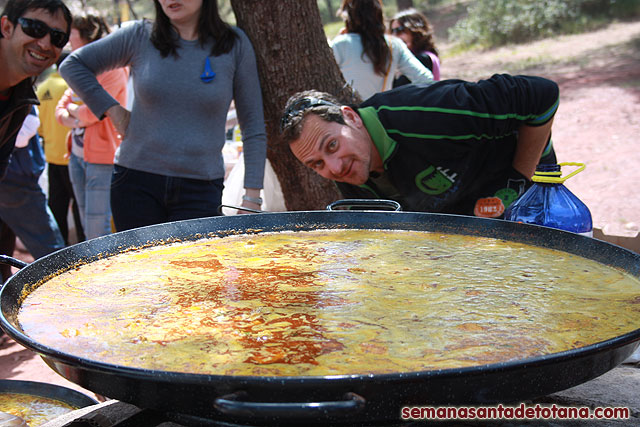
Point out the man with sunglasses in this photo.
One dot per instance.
(451, 147)
(32, 35)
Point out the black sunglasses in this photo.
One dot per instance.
(398, 30)
(38, 29)
(299, 107)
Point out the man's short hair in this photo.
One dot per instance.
(304, 103)
(15, 9)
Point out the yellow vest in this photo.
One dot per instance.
(53, 134)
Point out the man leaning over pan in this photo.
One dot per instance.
(450, 147)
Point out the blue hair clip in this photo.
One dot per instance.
(208, 74)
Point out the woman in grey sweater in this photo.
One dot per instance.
(186, 67)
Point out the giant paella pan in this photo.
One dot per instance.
(328, 316)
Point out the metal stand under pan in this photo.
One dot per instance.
(114, 413)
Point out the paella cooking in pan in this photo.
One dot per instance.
(341, 302)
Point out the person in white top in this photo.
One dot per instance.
(367, 57)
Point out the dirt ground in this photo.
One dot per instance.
(597, 124)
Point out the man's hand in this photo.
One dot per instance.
(70, 119)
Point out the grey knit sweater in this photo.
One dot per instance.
(177, 125)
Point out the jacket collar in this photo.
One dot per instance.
(24, 92)
(384, 144)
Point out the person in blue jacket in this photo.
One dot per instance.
(452, 147)
(23, 204)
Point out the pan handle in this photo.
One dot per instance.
(240, 208)
(6, 259)
(231, 404)
(366, 203)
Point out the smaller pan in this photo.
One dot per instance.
(34, 388)
(72, 398)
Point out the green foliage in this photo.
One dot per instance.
(328, 10)
(498, 22)
(332, 29)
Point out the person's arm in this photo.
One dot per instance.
(248, 101)
(64, 110)
(83, 65)
(435, 65)
(532, 141)
(535, 101)
(115, 83)
(409, 65)
(120, 118)
(117, 87)
(506, 104)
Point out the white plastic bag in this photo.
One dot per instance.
(272, 198)
(634, 358)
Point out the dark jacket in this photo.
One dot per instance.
(26, 163)
(448, 145)
(11, 118)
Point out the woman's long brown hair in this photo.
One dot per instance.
(366, 18)
(420, 28)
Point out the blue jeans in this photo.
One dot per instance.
(23, 207)
(140, 198)
(90, 183)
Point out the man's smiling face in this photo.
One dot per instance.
(31, 56)
(338, 152)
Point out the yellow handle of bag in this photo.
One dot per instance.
(555, 177)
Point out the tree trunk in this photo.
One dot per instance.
(293, 55)
(404, 4)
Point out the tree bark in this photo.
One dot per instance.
(404, 4)
(292, 55)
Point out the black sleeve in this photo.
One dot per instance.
(456, 110)
(426, 60)
(512, 99)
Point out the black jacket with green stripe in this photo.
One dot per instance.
(447, 145)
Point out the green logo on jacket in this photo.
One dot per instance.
(432, 181)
